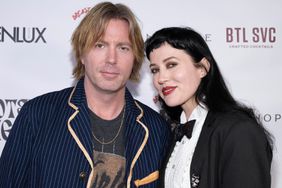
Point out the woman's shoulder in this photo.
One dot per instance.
(235, 122)
(237, 129)
(234, 116)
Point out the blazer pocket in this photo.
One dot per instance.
(148, 179)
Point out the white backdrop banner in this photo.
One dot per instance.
(244, 36)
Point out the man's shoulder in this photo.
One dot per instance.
(147, 109)
(51, 97)
(149, 114)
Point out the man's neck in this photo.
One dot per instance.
(104, 104)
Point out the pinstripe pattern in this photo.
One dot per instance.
(41, 152)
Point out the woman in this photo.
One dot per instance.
(228, 148)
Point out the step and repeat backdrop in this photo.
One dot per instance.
(244, 36)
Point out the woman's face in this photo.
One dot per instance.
(175, 76)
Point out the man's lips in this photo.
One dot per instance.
(110, 74)
(168, 90)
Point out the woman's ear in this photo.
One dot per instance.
(205, 67)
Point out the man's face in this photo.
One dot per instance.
(109, 63)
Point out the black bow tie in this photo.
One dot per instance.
(184, 129)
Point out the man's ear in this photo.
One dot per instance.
(82, 60)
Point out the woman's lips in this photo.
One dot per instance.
(168, 90)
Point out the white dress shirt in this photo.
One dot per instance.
(177, 173)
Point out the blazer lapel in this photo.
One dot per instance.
(200, 153)
(136, 135)
(79, 122)
(133, 131)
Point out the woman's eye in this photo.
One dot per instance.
(154, 70)
(171, 65)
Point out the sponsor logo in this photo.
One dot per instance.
(77, 14)
(9, 109)
(22, 34)
(270, 118)
(255, 37)
(207, 37)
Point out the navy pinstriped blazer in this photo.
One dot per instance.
(50, 144)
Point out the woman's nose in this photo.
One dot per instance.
(162, 77)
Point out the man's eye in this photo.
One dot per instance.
(99, 45)
(124, 48)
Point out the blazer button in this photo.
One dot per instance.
(82, 175)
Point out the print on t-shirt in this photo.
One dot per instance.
(109, 170)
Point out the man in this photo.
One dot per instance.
(94, 134)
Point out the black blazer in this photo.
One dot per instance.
(232, 152)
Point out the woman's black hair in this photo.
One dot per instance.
(212, 90)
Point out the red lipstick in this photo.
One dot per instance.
(168, 90)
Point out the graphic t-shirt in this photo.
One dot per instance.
(108, 152)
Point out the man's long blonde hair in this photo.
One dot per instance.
(92, 28)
